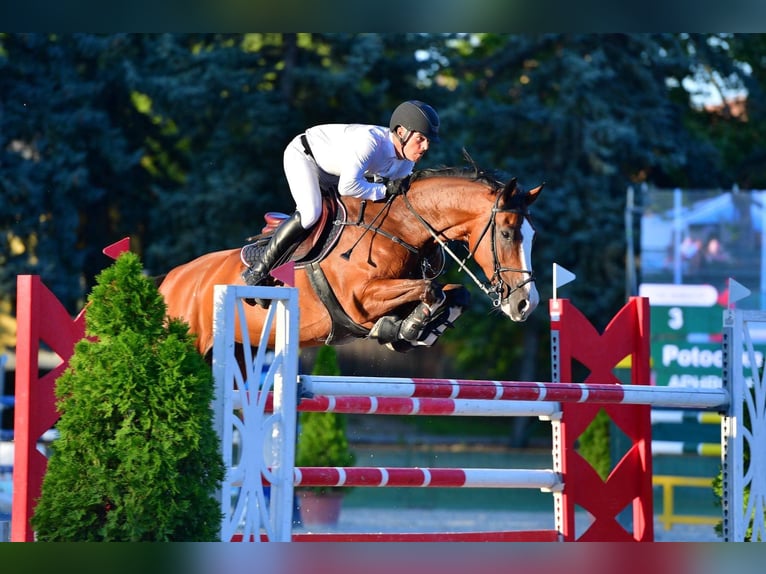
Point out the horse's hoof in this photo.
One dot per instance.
(400, 346)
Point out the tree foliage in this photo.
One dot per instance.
(322, 439)
(69, 171)
(176, 139)
(137, 458)
(589, 115)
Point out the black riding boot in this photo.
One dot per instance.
(281, 245)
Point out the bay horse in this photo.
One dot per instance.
(376, 277)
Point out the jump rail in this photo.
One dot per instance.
(515, 391)
(545, 480)
(270, 437)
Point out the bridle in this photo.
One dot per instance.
(501, 287)
(497, 289)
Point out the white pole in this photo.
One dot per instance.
(223, 347)
(285, 409)
(763, 251)
(677, 229)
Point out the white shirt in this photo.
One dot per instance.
(349, 153)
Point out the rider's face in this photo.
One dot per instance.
(416, 147)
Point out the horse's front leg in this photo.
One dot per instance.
(430, 302)
(457, 298)
(380, 297)
(436, 309)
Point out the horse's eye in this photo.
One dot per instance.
(506, 234)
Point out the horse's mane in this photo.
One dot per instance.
(472, 172)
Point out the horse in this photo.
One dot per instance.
(376, 278)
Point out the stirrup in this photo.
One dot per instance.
(253, 278)
(249, 276)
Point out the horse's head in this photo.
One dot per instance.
(474, 207)
(505, 251)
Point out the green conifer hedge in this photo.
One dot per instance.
(322, 440)
(138, 458)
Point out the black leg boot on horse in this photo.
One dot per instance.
(281, 246)
(404, 334)
(412, 325)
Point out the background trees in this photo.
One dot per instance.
(176, 140)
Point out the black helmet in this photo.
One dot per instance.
(416, 116)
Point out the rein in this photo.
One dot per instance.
(496, 286)
(376, 229)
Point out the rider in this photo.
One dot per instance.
(346, 155)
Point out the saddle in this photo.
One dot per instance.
(320, 240)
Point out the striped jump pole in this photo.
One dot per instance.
(683, 447)
(407, 406)
(677, 447)
(583, 393)
(666, 417)
(356, 476)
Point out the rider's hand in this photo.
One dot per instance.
(396, 187)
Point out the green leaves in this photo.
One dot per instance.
(124, 300)
(177, 139)
(322, 437)
(137, 458)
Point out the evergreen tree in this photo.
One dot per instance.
(322, 440)
(176, 140)
(70, 177)
(137, 458)
(590, 115)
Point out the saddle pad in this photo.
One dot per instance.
(251, 253)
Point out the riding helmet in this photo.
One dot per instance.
(417, 116)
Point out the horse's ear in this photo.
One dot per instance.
(533, 193)
(508, 191)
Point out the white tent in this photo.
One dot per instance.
(721, 209)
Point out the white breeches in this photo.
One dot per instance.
(303, 178)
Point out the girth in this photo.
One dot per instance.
(342, 326)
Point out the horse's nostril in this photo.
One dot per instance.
(522, 307)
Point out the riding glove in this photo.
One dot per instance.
(397, 186)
